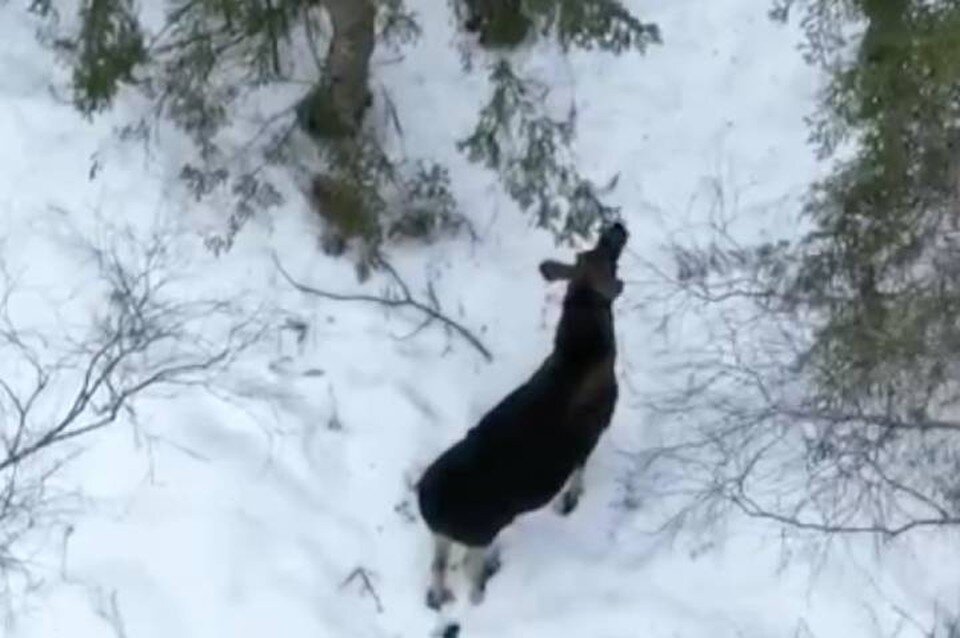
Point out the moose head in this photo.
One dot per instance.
(594, 270)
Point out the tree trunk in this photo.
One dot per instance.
(334, 109)
(332, 113)
(348, 60)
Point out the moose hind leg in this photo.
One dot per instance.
(480, 565)
(570, 497)
(439, 594)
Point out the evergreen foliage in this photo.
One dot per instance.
(208, 56)
(828, 400)
(529, 150)
(108, 49)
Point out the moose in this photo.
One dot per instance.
(535, 441)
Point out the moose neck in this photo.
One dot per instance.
(585, 334)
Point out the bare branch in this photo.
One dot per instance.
(363, 575)
(147, 337)
(754, 510)
(752, 424)
(404, 300)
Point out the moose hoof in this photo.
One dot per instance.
(451, 631)
(567, 502)
(492, 566)
(477, 595)
(437, 598)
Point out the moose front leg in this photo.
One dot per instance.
(595, 421)
(570, 497)
(439, 594)
(481, 564)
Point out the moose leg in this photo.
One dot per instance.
(439, 593)
(480, 564)
(570, 497)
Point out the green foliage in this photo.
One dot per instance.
(594, 24)
(344, 204)
(397, 25)
(216, 51)
(209, 57)
(201, 37)
(41, 7)
(529, 150)
(828, 378)
(878, 276)
(367, 196)
(108, 49)
(501, 24)
(427, 208)
(254, 33)
(505, 25)
(585, 24)
(250, 194)
(882, 251)
(353, 197)
(516, 136)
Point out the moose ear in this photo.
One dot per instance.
(554, 270)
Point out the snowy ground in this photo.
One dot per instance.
(246, 518)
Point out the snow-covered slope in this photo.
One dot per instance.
(247, 515)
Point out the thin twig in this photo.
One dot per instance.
(363, 575)
(753, 510)
(404, 300)
(53, 393)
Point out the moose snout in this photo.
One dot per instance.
(612, 240)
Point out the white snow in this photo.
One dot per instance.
(246, 517)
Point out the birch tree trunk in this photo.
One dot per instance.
(336, 105)
(348, 60)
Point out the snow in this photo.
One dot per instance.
(244, 514)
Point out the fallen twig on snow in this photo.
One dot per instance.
(363, 575)
(405, 299)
